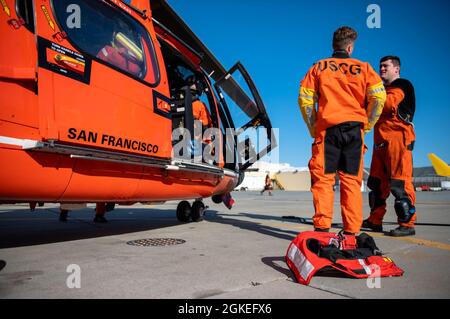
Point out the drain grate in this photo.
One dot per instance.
(156, 242)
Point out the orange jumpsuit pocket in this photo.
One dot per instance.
(316, 162)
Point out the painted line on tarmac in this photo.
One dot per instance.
(418, 241)
(433, 203)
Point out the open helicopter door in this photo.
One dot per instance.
(247, 118)
(99, 83)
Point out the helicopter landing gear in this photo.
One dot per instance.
(197, 211)
(217, 199)
(184, 211)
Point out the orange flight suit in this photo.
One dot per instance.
(392, 165)
(201, 113)
(350, 97)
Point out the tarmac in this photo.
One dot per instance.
(237, 253)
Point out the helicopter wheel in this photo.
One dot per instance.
(197, 211)
(217, 199)
(184, 211)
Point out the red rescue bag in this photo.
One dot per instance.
(356, 256)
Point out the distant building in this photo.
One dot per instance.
(284, 176)
(427, 177)
(289, 178)
(431, 181)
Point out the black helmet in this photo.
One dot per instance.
(194, 84)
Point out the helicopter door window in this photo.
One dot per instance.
(178, 75)
(211, 132)
(112, 37)
(253, 131)
(200, 109)
(206, 98)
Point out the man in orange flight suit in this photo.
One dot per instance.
(199, 110)
(392, 165)
(201, 115)
(350, 97)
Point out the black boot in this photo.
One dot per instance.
(376, 228)
(100, 219)
(401, 231)
(63, 215)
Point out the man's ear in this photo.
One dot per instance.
(350, 48)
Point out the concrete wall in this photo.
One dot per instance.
(294, 181)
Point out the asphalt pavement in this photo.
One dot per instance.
(237, 253)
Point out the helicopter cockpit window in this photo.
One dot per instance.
(111, 36)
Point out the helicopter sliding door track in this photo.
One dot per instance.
(114, 157)
(199, 168)
(94, 154)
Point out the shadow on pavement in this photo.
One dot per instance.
(274, 262)
(24, 228)
(216, 217)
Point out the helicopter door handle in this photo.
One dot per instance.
(69, 63)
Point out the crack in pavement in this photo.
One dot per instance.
(217, 292)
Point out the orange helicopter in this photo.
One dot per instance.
(92, 93)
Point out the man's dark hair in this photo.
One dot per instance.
(343, 37)
(395, 59)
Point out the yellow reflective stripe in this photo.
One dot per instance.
(308, 93)
(307, 100)
(375, 107)
(307, 96)
(379, 87)
(375, 112)
(376, 90)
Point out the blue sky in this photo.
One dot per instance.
(278, 41)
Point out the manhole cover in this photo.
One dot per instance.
(156, 242)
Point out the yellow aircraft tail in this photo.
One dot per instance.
(441, 167)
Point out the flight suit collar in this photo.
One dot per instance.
(340, 55)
